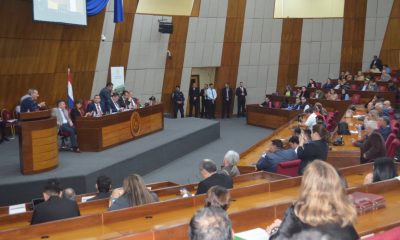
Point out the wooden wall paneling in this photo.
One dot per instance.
(228, 71)
(36, 55)
(174, 65)
(196, 8)
(355, 12)
(122, 38)
(390, 52)
(289, 55)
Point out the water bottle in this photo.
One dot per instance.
(359, 132)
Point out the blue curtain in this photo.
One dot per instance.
(118, 11)
(94, 7)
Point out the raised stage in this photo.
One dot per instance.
(79, 171)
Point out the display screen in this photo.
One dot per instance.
(60, 11)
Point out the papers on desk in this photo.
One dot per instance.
(398, 178)
(12, 120)
(18, 208)
(85, 198)
(254, 234)
(353, 131)
(358, 116)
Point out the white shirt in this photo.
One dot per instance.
(116, 106)
(311, 120)
(211, 94)
(64, 119)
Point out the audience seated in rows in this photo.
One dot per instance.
(208, 170)
(277, 154)
(54, 207)
(103, 186)
(229, 165)
(384, 169)
(267, 103)
(133, 193)
(322, 205)
(315, 149)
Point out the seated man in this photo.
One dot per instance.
(277, 154)
(267, 103)
(103, 186)
(365, 86)
(385, 77)
(210, 223)
(28, 102)
(208, 170)
(54, 206)
(96, 108)
(114, 105)
(311, 119)
(384, 126)
(69, 193)
(65, 124)
(387, 108)
(3, 131)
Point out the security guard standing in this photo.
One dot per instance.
(178, 99)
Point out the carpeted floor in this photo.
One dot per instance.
(235, 135)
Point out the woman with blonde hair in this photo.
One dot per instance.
(133, 193)
(218, 196)
(322, 205)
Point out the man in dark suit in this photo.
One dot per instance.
(103, 186)
(178, 99)
(241, 94)
(203, 96)
(227, 95)
(377, 62)
(54, 206)
(3, 131)
(123, 101)
(277, 154)
(105, 95)
(194, 100)
(114, 105)
(65, 124)
(373, 146)
(96, 108)
(208, 169)
(28, 102)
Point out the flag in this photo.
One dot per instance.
(118, 11)
(70, 91)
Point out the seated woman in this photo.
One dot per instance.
(288, 91)
(133, 193)
(303, 93)
(78, 111)
(359, 76)
(331, 95)
(312, 83)
(218, 196)
(267, 103)
(319, 94)
(322, 206)
(230, 162)
(344, 96)
(384, 168)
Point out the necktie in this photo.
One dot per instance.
(227, 94)
(98, 109)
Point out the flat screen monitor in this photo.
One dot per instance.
(60, 11)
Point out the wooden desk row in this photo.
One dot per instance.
(179, 211)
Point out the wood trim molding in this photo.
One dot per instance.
(390, 52)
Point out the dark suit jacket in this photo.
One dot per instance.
(217, 178)
(123, 102)
(100, 195)
(239, 92)
(373, 147)
(112, 107)
(377, 63)
(55, 208)
(105, 97)
(28, 105)
(203, 94)
(75, 114)
(92, 108)
(292, 225)
(194, 93)
(311, 151)
(224, 95)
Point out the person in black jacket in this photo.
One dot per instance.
(105, 96)
(208, 169)
(377, 62)
(54, 207)
(226, 94)
(103, 186)
(241, 94)
(322, 206)
(316, 149)
(203, 97)
(194, 100)
(178, 99)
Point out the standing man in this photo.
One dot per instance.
(226, 100)
(241, 94)
(105, 95)
(194, 101)
(178, 100)
(28, 102)
(203, 96)
(377, 62)
(211, 97)
(65, 124)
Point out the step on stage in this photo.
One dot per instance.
(80, 170)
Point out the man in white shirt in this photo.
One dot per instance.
(65, 124)
(211, 98)
(312, 117)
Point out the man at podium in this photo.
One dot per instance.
(28, 102)
(65, 123)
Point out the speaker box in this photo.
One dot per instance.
(165, 27)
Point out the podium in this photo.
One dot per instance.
(38, 143)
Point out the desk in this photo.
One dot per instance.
(269, 117)
(97, 134)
